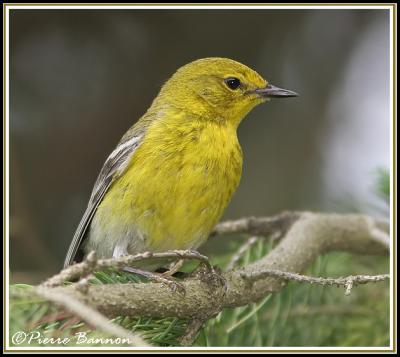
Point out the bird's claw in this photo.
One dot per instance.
(175, 286)
(159, 278)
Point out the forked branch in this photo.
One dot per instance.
(301, 237)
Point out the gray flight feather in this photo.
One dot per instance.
(114, 166)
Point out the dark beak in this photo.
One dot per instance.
(271, 91)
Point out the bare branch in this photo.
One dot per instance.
(347, 282)
(73, 272)
(90, 315)
(91, 264)
(307, 236)
(242, 250)
(258, 226)
(380, 232)
(191, 332)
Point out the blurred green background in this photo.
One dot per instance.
(80, 78)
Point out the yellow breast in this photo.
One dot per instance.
(177, 184)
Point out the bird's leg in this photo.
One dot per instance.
(173, 268)
(121, 249)
(159, 278)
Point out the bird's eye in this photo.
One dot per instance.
(232, 83)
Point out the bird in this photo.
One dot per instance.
(173, 173)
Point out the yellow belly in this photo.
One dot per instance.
(174, 190)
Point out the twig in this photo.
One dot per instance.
(83, 284)
(347, 282)
(380, 232)
(192, 331)
(73, 272)
(308, 236)
(258, 226)
(90, 315)
(91, 264)
(241, 251)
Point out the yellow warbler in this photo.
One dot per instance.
(173, 173)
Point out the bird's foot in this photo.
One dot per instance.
(211, 275)
(159, 278)
(174, 267)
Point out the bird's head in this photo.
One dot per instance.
(218, 89)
